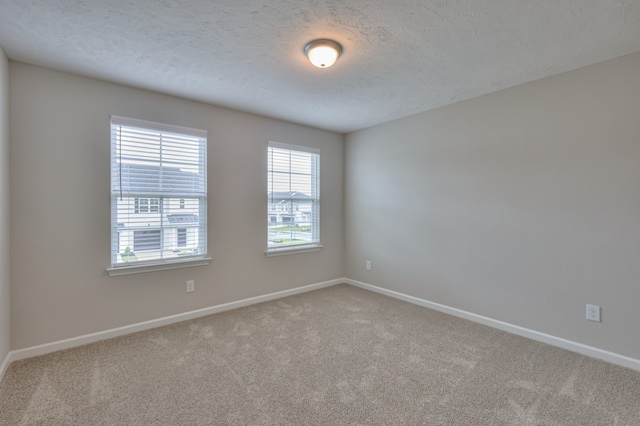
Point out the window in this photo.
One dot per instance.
(182, 237)
(147, 205)
(293, 174)
(158, 195)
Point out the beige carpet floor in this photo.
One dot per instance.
(339, 355)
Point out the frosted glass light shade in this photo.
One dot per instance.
(323, 53)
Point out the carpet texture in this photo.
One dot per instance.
(340, 355)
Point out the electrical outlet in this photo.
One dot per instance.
(593, 313)
(191, 286)
(368, 265)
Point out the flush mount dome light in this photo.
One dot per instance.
(323, 53)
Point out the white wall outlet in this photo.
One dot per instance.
(191, 286)
(368, 265)
(593, 313)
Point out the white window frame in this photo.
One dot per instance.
(314, 199)
(200, 258)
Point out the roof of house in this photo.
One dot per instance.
(182, 218)
(284, 196)
(143, 179)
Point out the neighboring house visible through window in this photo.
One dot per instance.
(293, 211)
(158, 193)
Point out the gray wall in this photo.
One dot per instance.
(60, 208)
(522, 205)
(5, 298)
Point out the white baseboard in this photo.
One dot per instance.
(4, 366)
(146, 325)
(611, 357)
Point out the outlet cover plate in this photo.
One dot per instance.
(191, 286)
(593, 313)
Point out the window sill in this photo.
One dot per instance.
(292, 250)
(150, 267)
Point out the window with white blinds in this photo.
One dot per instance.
(293, 207)
(158, 193)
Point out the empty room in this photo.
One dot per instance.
(319, 212)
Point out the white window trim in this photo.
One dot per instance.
(302, 248)
(175, 264)
(199, 260)
(294, 147)
(293, 250)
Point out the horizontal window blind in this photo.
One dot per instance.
(158, 192)
(293, 211)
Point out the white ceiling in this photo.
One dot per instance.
(400, 57)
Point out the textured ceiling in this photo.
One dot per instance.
(400, 57)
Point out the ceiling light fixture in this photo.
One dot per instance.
(323, 53)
